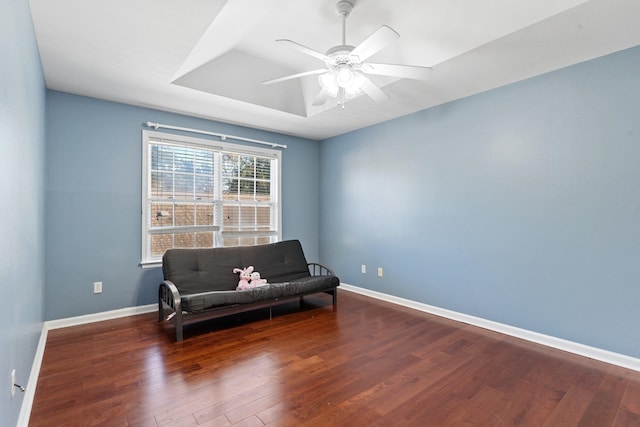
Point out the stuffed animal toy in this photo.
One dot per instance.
(256, 280)
(245, 277)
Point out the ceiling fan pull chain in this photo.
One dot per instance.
(341, 97)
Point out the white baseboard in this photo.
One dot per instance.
(30, 392)
(98, 317)
(547, 340)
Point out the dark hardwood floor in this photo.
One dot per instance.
(366, 363)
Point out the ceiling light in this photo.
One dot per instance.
(342, 79)
(329, 83)
(344, 76)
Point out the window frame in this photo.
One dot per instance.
(219, 148)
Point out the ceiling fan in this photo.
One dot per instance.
(344, 74)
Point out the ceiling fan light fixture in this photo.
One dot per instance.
(342, 78)
(357, 83)
(329, 83)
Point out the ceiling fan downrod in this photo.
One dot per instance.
(344, 8)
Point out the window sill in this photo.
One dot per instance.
(150, 264)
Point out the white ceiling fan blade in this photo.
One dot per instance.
(374, 92)
(402, 71)
(375, 42)
(304, 49)
(294, 76)
(321, 99)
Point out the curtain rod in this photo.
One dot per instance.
(223, 137)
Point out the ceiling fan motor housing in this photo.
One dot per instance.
(341, 54)
(341, 58)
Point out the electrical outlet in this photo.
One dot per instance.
(363, 269)
(97, 287)
(13, 381)
(380, 272)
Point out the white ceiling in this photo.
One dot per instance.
(206, 58)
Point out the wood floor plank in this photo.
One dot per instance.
(572, 406)
(631, 398)
(604, 406)
(626, 419)
(364, 363)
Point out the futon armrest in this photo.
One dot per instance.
(319, 270)
(169, 294)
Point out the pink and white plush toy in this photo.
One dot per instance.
(256, 280)
(245, 278)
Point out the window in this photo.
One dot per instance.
(199, 193)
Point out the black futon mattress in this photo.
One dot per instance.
(207, 280)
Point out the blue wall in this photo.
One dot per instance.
(22, 196)
(94, 161)
(519, 205)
